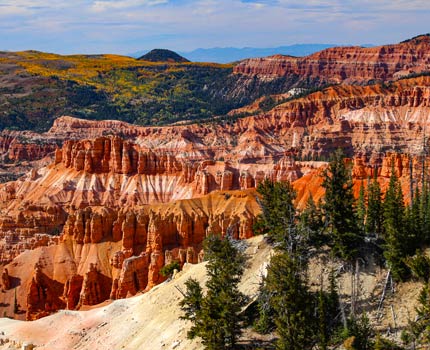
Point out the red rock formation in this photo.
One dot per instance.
(72, 291)
(365, 119)
(133, 277)
(43, 295)
(126, 207)
(5, 280)
(24, 145)
(113, 253)
(346, 64)
(95, 287)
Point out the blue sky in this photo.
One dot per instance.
(125, 26)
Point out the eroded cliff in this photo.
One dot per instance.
(346, 64)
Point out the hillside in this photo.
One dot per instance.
(151, 320)
(147, 321)
(162, 55)
(37, 87)
(347, 64)
(359, 119)
(92, 210)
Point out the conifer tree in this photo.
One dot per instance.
(414, 224)
(345, 236)
(191, 306)
(424, 203)
(361, 209)
(327, 312)
(291, 302)
(421, 327)
(311, 222)
(278, 211)
(418, 331)
(216, 316)
(396, 248)
(374, 217)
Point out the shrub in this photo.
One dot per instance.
(168, 269)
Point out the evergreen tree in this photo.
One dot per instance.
(278, 212)
(291, 302)
(328, 313)
(374, 217)
(425, 213)
(345, 236)
(191, 306)
(361, 209)
(265, 322)
(418, 331)
(216, 316)
(414, 224)
(359, 333)
(396, 248)
(311, 222)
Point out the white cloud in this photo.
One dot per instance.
(106, 5)
(132, 25)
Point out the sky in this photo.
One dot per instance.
(127, 26)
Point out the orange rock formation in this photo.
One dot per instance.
(119, 201)
(347, 64)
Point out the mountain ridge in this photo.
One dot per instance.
(163, 55)
(233, 54)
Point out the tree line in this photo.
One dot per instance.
(375, 228)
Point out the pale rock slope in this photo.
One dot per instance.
(147, 321)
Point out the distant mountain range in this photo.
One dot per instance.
(231, 54)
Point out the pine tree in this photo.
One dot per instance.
(396, 244)
(361, 209)
(216, 316)
(344, 232)
(418, 331)
(278, 211)
(191, 306)
(374, 217)
(291, 301)
(327, 313)
(358, 334)
(425, 213)
(311, 221)
(414, 224)
(291, 304)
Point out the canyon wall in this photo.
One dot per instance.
(67, 246)
(346, 64)
(104, 253)
(359, 119)
(117, 202)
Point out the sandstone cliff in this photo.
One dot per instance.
(360, 119)
(114, 253)
(346, 64)
(119, 201)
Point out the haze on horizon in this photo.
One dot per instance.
(126, 26)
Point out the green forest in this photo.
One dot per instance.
(38, 87)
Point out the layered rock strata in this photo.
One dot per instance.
(360, 119)
(114, 253)
(346, 64)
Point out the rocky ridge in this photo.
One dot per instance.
(360, 119)
(106, 253)
(95, 234)
(346, 64)
(117, 201)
